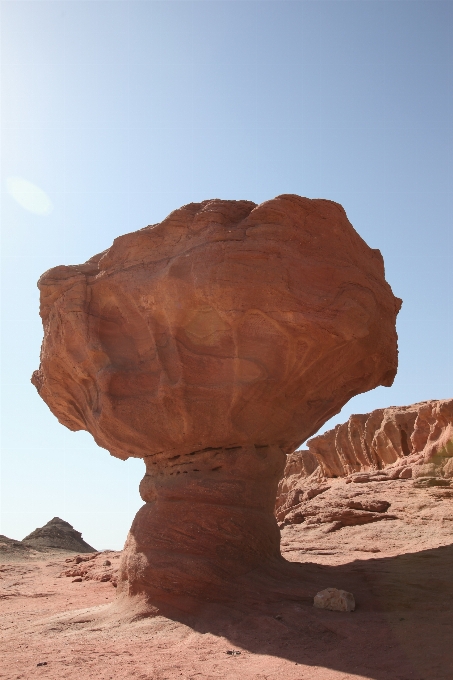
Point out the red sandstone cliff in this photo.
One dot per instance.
(371, 441)
(399, 442)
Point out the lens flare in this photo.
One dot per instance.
(29, 196)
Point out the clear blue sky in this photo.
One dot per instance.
(122, 111)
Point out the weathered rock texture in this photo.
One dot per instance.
(335, 600)
(11, 547)
(57, 534)
(101, 567)
(210, 345)
(387, 436)
(400, 442)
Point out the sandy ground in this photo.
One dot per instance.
(400, 572)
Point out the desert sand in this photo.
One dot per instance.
(399, 572)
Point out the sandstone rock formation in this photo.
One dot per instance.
(336, 510)
(211, 345)
(372, 441)
(302, 480)
(57, 534)
(400, 442)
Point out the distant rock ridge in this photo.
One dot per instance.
(57, 534)
(10, 547)
(408, 443)
(371, 441)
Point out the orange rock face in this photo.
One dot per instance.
(397, 443)
(210, 345)
(386, 437)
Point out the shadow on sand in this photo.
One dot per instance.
(402, 628)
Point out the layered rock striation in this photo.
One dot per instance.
(211, 345)
(388, 436)
(400, 442)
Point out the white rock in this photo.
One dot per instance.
(334, 599)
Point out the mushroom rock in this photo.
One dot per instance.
(211, 345)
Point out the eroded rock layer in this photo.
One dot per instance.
(408, 443)
(228, 332)
(216, 504)
(372, 441)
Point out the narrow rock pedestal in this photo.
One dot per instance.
(208, 518)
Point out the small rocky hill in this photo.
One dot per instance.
(57, 534)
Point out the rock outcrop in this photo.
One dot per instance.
(211, 345)
(400, 442)
(57, 534)
(101, 567)
(388, 437)
(10, 548)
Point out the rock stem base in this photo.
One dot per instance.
(207, 520)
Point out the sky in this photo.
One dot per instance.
(115, 113)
